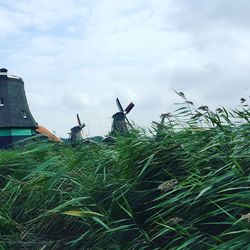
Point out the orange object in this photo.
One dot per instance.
(51, 137)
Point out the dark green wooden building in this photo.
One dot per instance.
(16, 120)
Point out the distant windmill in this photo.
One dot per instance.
(120, 121)
(76, 132)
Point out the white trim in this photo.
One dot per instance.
(1, 101)
(9, 76)
(14, 77)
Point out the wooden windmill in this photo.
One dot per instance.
(76, 132)
(16, 120)
(120, 121)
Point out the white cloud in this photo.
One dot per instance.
(78, 56)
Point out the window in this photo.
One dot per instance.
(1, 102)
(24, 115)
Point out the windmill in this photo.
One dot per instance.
(16, 120)
(17, 124)
(76, 132)
(120, 121)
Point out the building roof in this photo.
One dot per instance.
(44, 131)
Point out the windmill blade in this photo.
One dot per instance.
(130, 125)
(78, 120)
(129, 108)
(119, 105)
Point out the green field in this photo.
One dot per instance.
(188, 187)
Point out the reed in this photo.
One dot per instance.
(184, 186)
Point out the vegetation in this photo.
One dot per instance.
(184, 186)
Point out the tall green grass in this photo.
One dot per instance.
(184, 186)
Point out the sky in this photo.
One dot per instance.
(77, 56)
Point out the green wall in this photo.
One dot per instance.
(16, 132)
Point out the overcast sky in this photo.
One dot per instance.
(77, 56)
